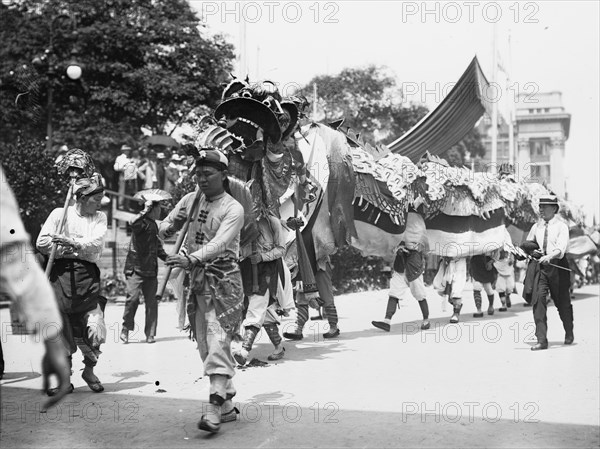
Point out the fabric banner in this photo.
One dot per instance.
(454, 117)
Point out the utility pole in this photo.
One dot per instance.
(494, 129)
(315, 98)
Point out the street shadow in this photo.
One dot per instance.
(272, 420)
(173, 338)
(11, 378)
(119, 386)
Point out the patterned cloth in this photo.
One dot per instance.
(223, 279)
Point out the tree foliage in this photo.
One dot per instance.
(146, 63)
(37, 186)
(369, 100)
(471, 144)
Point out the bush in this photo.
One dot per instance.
(351, 272)
(34, 180)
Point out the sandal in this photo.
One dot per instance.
(54, 391)
(94, 385)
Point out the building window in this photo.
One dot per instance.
(540, 172)
(546, 109)
(539, 148)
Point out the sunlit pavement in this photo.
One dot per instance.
(475, 384)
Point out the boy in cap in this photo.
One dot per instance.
(216, 299)
(75, 277)
(141, 270)
(407, 276)
(551, 236)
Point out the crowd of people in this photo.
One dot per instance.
(241, 283)
(148, 168)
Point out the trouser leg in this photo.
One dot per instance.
(540, 308)
(134, 290)
(149, 287)
(214, 344)
(562, 299)
(325, 287)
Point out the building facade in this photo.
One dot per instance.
(540, 132)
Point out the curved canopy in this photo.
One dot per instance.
(454, 117)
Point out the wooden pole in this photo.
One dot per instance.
(60, 227)
(178, 243)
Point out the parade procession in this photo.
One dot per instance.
(302, 282)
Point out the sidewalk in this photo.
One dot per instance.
(475, 384)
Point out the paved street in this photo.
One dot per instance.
(475, 384)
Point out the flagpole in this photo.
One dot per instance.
(314, 117)
(494, 130)
(511, 107)
(243, 67)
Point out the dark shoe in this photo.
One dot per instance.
(230, 416)
(490, 310)
(54, 391)
(276, 355)
(125, 335)
(478, 315)
(292, 336)
(332, 333)
(150, 340)
(381, 325)
(539, 346)
(502, 309)
(508, 303)
(425, 325)
(569, 338)
(526, 304)
(240, 356)
(208, 426)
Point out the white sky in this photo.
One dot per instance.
(555, 45)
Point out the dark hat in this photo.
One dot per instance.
(551, 200)
(210, 157)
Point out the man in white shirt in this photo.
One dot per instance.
(552, 237)
(121, 162)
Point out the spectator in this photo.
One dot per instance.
(148, 172)
(121, 162)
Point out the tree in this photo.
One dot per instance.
(471, 144)
(37, 185)
(146, 63)
(369, 100)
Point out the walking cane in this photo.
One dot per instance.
(60, 227)
(178, 243)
